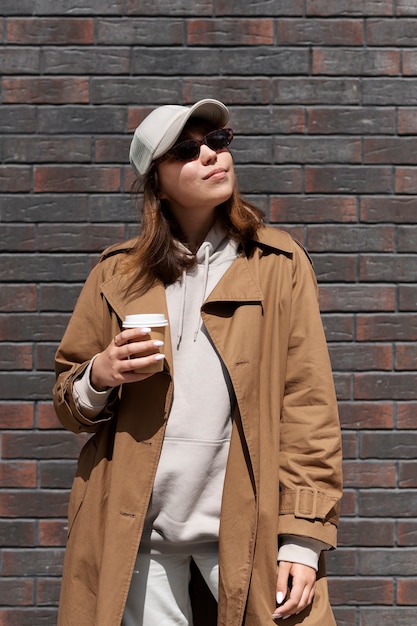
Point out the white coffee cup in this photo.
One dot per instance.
(158, 324)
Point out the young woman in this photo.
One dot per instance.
(228, 460)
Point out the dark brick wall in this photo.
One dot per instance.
(323, 101)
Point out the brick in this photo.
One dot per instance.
(230, 32)
(16, 591)
(17, 297)
(384, 386)
(268, 120)
(406, 591)
(406, 357)
(47, 418)
(406, 180)
(45, 208)
(10, 7)
(54, 31)
(405, 7)
(348, 179)
(162, 7)
(385, 91)
(18, 533)
(44, 356)
(407, 533)
(45, 90)
(57, 474)
(341, 562)
(315, 90)
(81, 119)
(349, 7)
(17, 238)
(14, 356)
(17, 118)
(407, 298)
(32, 327)
(14, 179)
(338, 328)
(188, 61)
(316, 150)
(269, 179)
(365, 474)
(331, 238)
(53, 532)
(366, 533)
(20, 60)
(357, 298)
(121, 90)
(312, 209)
(16, 415)
(351, 120)
(362, 591)
(407, 414)
(392, 32)
(389, 150)
(147, 31)
(58, 297)
(31, 503)
(334, 267)
(354, 62)
(335, 32)
(407, 121)
(409, 63)
(394, 209)
(76, 179)
(348, 507)
(112, 149)
(99, 60)
(25, 385)
(77, 237)
(384, 267)
(384, 503)
(42, 445)
(388, 445)
(28, 617)
(377, 616)
(253, 7)
(385, 327)
(77, 7)
(47, 591)
(71, 267)
(18, 474)
(40, 149)
(45, 562)
(407, 475)
(366, 415)
(257, 90)
(395, 562)
(360, 357)
(268, 60)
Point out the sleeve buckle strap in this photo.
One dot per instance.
(306, 502)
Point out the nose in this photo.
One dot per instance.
(207, 154)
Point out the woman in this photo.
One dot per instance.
(233, 450)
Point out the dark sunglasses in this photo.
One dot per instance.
(189, 150)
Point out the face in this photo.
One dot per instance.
(198, 185)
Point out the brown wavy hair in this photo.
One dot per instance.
(156, 256)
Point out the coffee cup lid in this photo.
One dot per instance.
(145, 319)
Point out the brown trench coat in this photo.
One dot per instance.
(284, 467)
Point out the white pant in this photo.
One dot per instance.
(158, 594)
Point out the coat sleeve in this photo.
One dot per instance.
(310, 448)
(90, 329)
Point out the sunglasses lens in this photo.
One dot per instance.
(190, 149)
(219, 139)
(186, 150)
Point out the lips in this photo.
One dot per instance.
(216, 172)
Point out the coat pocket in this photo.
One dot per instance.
(81, 479)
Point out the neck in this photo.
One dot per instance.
(195, 229)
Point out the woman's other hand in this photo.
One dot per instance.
(293, 598)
